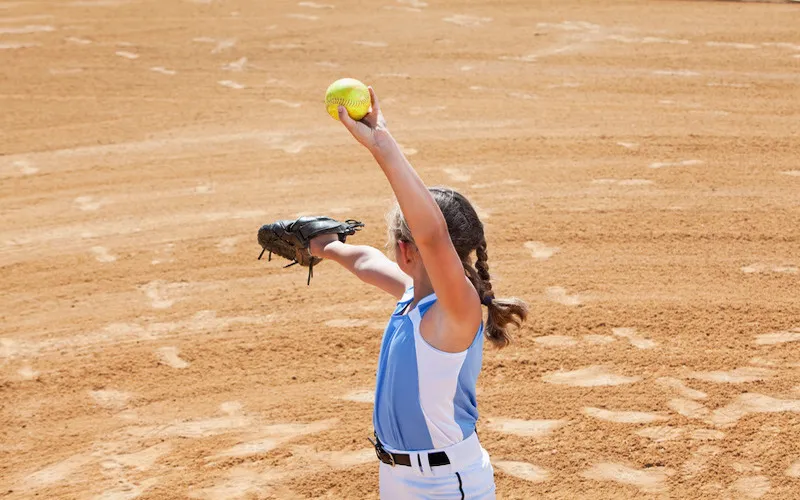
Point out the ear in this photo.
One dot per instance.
(403, 247)
(406, 251)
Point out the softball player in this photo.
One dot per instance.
(425, 405)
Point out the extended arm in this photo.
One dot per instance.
(457, 297)
(368, 264)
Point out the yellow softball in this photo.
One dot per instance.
(350, 93)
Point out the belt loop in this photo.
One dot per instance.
(426, 469)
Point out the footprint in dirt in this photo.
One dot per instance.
(736, 376)
(649, 480)
(110, 398)
(231, 84)
(662, 433)
(164, 255)
(162, 294)
(372, 44)
(243, 481)
(25, 167)
(360, 396)
(127, 55)
(561, 296)
(707, 435)
(88, 203)
(634, 339)
(781, 337)
(227, 245)
(556, 341)
(163, 70)
(761, 268)
(523, 470)
(747, 403)
(689, 408)
(751, 487)
(265, 438)
(336, 459)
(467, 21)
(118, 466)
(64, 471)
(347, 323)
(525, 428)
(27, 373)
(794, 469)
(624, 417)
(682, 163)
(598, 339)
(315, 5)
(591, 376)
(700, 460)
(101, 254)
(170, 356)
(457, 175)
(539, 250)
(682, 389)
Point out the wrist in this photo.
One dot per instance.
(320, 245)
(383, 143)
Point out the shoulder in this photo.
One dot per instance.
(448, 334)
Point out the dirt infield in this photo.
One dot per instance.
(636, 163)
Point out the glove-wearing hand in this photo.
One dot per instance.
(290, 239)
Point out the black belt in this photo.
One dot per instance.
(434, 459)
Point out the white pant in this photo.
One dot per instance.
(469, 475)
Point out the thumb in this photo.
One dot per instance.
(344, 117)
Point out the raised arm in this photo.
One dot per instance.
(368, 264)
(457, 296)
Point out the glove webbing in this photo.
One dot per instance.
(310, 266)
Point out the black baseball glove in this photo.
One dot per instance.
(290, 239)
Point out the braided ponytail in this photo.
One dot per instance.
(502, 312)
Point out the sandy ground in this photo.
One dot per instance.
(636, 164)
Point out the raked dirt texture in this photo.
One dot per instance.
(636, 163)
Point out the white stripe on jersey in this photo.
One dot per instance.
(438, 373)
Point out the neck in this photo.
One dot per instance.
(422, 287)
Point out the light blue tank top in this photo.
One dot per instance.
(424, 397)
